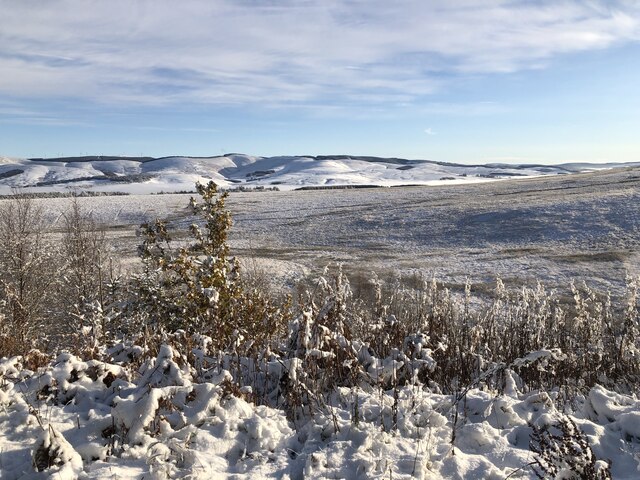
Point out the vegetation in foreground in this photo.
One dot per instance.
(191, 308)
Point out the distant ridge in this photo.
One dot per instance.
(364, 158)
(92, 158)
(145, 174)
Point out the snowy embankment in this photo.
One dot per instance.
(160, 418)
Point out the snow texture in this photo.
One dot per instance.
(90, 419)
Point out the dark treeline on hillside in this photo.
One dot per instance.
(92, 158)
(69, 194)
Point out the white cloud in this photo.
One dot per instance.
(286, 52)
(429, 131)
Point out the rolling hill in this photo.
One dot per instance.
(176, 173)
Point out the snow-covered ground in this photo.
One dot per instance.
(170, 174)
(161, 418)
(91, 419)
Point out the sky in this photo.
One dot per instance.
(469, 81)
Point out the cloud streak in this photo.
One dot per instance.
(287, 53)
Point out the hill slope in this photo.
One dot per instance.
(147, 174)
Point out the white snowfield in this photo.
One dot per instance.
(147, 175)
(91, 419)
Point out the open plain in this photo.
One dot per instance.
(582, 226)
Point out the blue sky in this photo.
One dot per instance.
(464, 81)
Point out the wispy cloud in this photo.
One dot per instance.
(462, 109)
(10, 113)
(429, 131)
(285, 52)
(178, 129)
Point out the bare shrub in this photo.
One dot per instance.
(85, 250)
(28, 275)
(563, 451)
(87, 280)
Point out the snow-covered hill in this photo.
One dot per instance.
(146, 174)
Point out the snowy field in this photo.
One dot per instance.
(552, 229)
(581, 226)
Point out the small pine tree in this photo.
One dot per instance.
(198, 287)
